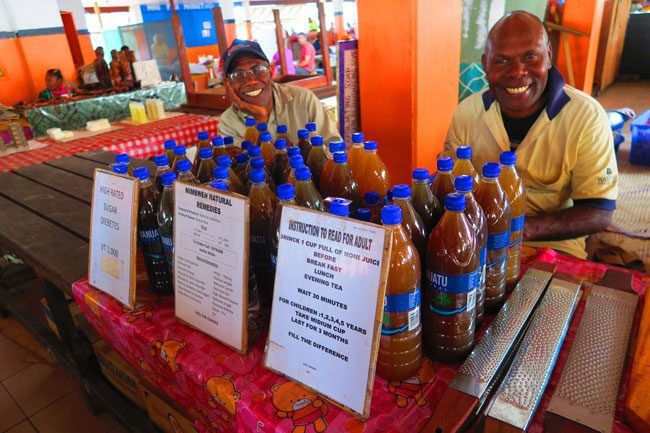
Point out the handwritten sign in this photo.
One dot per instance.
(211, 262)
(328, 298)
(348, 89)
(111, 263)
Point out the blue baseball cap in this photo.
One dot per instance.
(238, 48)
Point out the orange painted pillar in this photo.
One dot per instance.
(408, 98)
(585, 16)
(339, 27)
(249, 25)
(228, 11)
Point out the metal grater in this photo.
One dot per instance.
(519, 394)
(589, 383)
(482, 365)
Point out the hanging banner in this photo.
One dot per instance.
(327, 304)
(347, 78)
(211, 262)
(113, 224)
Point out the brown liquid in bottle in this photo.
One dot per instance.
(424, 202)
(282, 133)
(449, 301)
(303, 143)
(326, 174)
(179, 154)
(250, 133)
(411, 221)
(317, 159)
(205, 171)
(371, 201)
(496, 207)
(400, 346)
(340, 183)
(443, 183)
(463, 165)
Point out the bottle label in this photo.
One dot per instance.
(274, 260)
(471, 300)
(480, 281)
(148, 236)
(402, 303)
(483, 256)
(498, 241)
(517, 223)
(453, 283)
(167, 242)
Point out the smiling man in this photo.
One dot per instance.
(562, 137)
(253, 94)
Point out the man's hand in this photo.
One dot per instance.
(569, 223)
(261, 114)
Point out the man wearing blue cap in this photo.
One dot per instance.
(253, 94)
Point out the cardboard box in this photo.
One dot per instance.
(118, 372)
(163, 413)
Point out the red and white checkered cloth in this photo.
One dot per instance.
(141, 141)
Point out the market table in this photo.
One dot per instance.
(75, 114)
(140, 141)
(45, 222)
(225, 391)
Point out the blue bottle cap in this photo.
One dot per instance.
(455, 202)
(257, 162)
(303, 173)
(317, 140)
(245, 145)
(218, 184)
(286, 191)
(337, 146)
(228, 140)
(280, 143)
(363, 214)
(464, 152)
(340, 207)
(293, 151)
(421, 174)
(249, 121)
(179, 150)
(311, 127)
(241, 158)
(491, 170)
(221, 173)
(161, 160)
(464, 183)
(257, 175)
(265, 136)
(122, 157)
(303, 133)
(340, 157)
(224, 161)
(254, 151)
(371, 197)
(389, 195)
(296, 161)
(262, 127)
(217, 141)
(508, 158)
(205, 153)
(184, 165)
(282, 129)
(391, 214)
(357, 137)
(141, 173)
(445, 164)
(401, 191)
(204, 135)
(120, 168)
(370, 145)
(168, 178)
(170, 144)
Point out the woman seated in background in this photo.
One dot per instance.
(55, 86)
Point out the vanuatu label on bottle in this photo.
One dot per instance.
(402, 303)
(498, 241)
(150, 235)
(444, 285)
(480, 281)
(517, 223)
(167, 242)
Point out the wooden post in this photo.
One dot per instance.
(180, 48)
(324, 43)
(220, 29)
(280, 37)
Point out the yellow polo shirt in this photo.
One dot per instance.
(567, 155)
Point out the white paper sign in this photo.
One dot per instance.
(210, 262)
(326, 305)
(111, 265)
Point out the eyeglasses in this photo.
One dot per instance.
(260, 71)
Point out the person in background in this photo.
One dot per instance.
(275, 61)
(313, 25)
(101, 69)
(160, 50)
(307, 56)
(561, 136)
(55, 87)
(253, 94)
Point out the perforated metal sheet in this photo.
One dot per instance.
(481, 366)
(590, 380)
(518, 396)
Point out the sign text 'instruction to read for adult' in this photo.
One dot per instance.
(112, 233)
(324, 317)
(210, 243)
